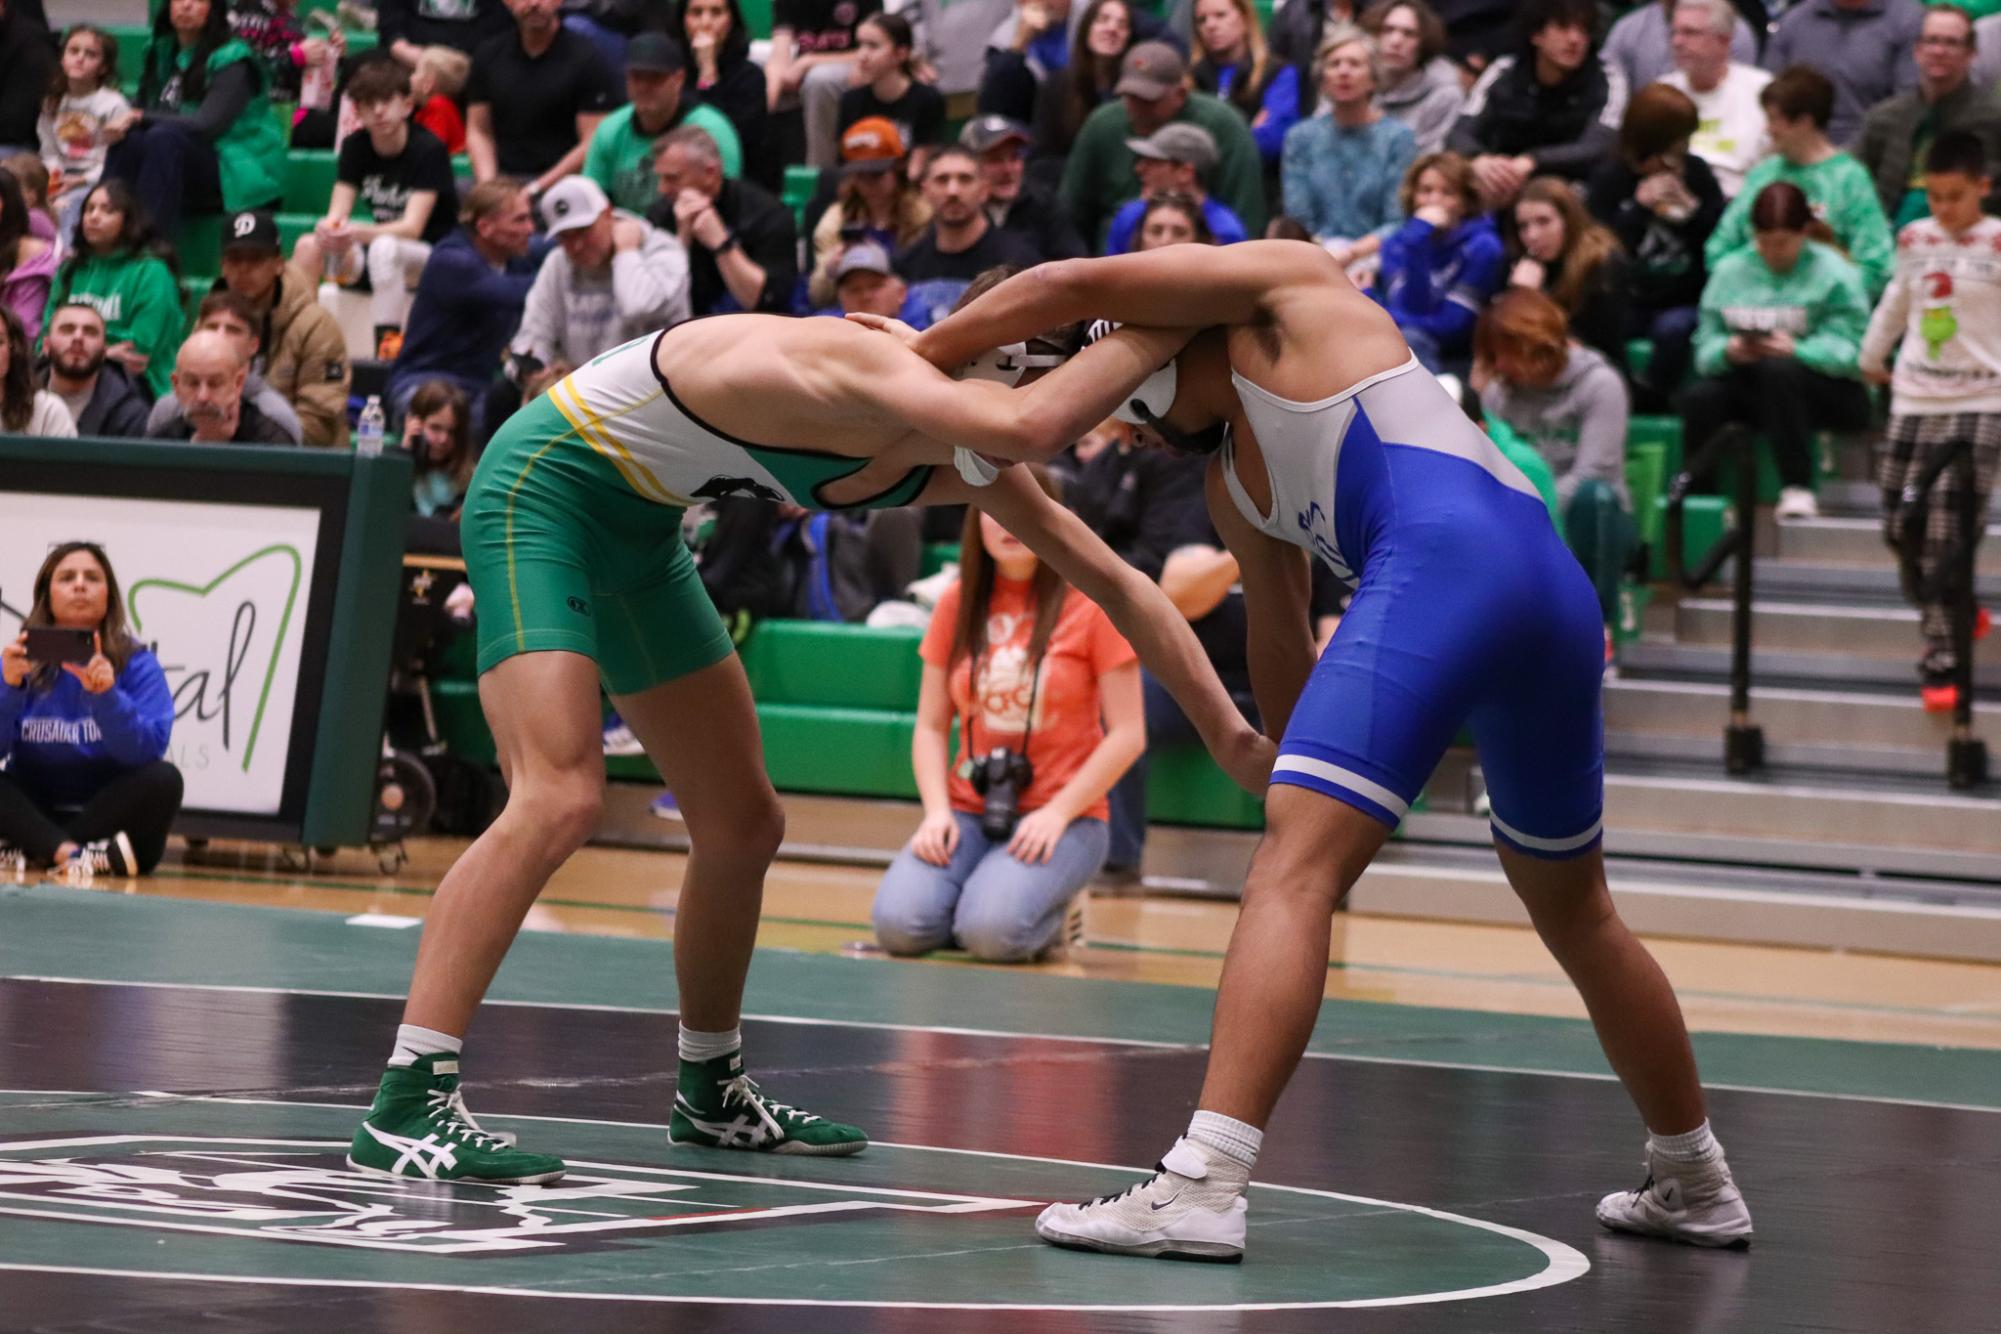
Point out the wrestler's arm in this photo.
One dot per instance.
(1278, 585)
(1174, 286)
(1142, 613)
(1033, 423)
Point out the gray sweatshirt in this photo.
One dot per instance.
(1428, 101)
(1577, 424)
(571, 316)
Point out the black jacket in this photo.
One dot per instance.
(252, 428)
(1666, 267)
(27, 60)
(1143, 502)
(763, 226)
(1038, 217)
(117, 407)
(1568, 127)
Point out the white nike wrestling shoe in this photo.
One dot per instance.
(1192, 1208)
(1697, 1203)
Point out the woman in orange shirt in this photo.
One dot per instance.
(1045, 698)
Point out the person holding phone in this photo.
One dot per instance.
(85, 714)
(1778, 343)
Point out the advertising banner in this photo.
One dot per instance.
(219, 592)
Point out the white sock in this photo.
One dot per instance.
(1227, 1136)
(1696, 1146)
(412, 1042)
(699, 1046)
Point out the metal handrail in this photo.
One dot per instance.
(1954, 582)
(1743, 740)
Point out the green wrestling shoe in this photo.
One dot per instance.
(718, 1106)
(419, 1129)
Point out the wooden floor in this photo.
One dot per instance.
(1724, 988)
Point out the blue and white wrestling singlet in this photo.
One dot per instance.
(1468, 609)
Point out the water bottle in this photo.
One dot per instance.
(368, 432)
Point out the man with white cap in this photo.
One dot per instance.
(612, 277)
(1173, 160)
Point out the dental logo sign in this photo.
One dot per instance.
(219, 591)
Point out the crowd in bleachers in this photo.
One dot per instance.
(1690, 207)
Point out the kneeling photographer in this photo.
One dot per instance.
(85, 714)
(1045, 697)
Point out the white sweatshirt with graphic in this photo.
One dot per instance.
(1944, 304)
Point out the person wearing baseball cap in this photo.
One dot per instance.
(305, 353)
(1174, 158)
(612, 277)
(876, 203)
(1015, 203)
(1101, 174)
(620, 158)
(866, 283)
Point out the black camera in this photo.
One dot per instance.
(1001, 776)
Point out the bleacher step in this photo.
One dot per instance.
(1859, 542)
(1663, 657)
(1662, 899)
(1789, 580)
(1836, 730)
(1674, 811)
(1873, 632)
(1785, 808)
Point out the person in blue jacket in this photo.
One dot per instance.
(87, 783)
(1233, 62)
(1440, 268)
(469, 299)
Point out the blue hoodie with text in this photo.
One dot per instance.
(63, 744)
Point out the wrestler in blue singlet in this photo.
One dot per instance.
(1468, 608)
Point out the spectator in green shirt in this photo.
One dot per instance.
(1152, 92)
(1779, 344)
(620, 158)
(1798, 104)
(114, 267)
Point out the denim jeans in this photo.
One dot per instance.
(997, 908)
(172, 169)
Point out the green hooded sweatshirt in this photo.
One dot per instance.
(1820, 304)
(140, 302)
(1842, 196)
(251, 152)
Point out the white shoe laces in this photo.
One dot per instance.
(744, 1091)
(455, 1119)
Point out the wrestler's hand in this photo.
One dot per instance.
(1247, 757)
(888, 324)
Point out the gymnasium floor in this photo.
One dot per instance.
(180, 1066)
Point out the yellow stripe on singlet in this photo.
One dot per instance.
(513, 578)
(569, 401)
